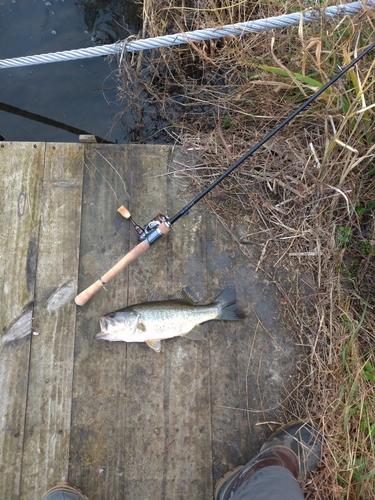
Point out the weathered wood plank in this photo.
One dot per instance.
(228, 383)
(145, 419)
(187, 464)
(266, 360)
(21, 167)
(98, 444)
(250, 362)
(47, 430)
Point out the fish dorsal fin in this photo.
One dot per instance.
(141, 327)
(154, 344)
(186, 295)
(195, 334)
(154, 297)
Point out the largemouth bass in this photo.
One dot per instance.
(159, 319)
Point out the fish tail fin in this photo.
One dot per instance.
(228, 309)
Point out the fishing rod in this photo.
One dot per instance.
(162, 224)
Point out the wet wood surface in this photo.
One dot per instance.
(116, 419)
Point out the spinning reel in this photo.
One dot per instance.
(151, 232)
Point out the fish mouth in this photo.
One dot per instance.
(102, 336)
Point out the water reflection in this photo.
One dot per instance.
(108, 22)
(81, 94)
(44, 119)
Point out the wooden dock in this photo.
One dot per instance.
(119, 420)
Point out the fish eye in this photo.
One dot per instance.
(112, 315)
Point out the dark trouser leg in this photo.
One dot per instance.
(270, 483)
(290, 453)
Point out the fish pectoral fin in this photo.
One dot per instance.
(195, 334)
(141, 327)
(155, 344)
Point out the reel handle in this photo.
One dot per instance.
(127, 215)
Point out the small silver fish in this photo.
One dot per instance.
(160, 319)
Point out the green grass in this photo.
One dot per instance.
(355, 410)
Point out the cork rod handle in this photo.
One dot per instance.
(136, 252)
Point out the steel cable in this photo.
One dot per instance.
(238, 29)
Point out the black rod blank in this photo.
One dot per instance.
(184, 210)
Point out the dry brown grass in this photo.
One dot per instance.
(307, 199)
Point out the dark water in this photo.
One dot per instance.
(56, 102)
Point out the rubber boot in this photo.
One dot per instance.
(63, 491)
(296, 446)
